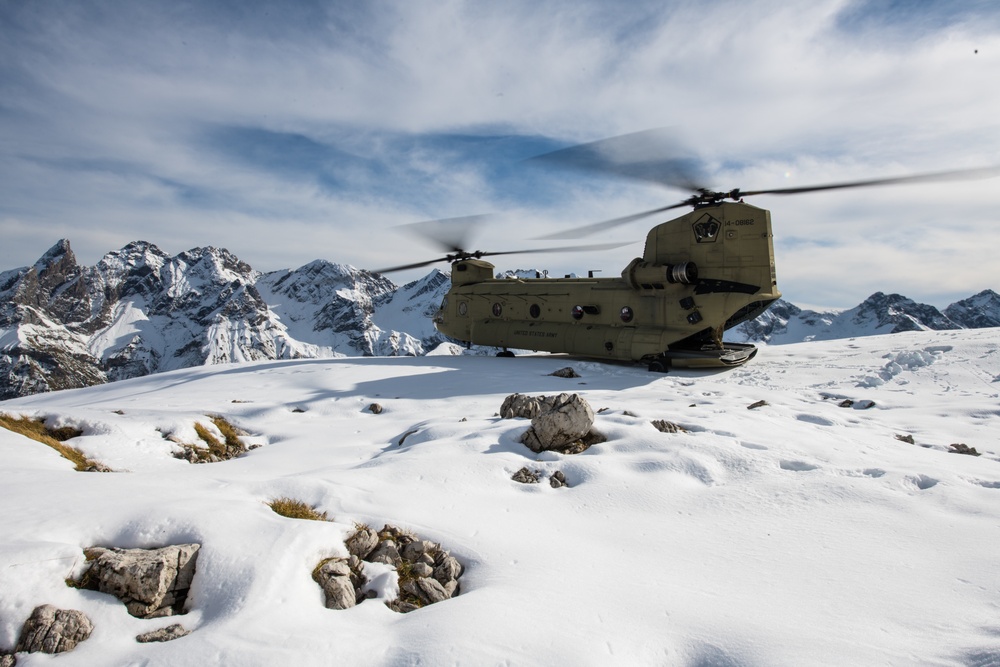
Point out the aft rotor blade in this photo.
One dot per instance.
(449, 234)
(575, 248)
(956, 175)
(587, 230)
(650, 155)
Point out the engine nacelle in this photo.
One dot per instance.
(644, 276)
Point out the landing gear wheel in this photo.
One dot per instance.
(659, 366)
(505, 353)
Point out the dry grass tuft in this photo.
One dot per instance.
(296, 509)
(39, 432)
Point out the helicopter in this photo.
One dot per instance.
(700, 274)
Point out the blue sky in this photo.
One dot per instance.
(288, 132)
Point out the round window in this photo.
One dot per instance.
(577, 312)
(626, 314)
(463, 308)
(535, 311)
(497, 310)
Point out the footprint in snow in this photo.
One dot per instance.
(798, 466)
(921, 482)
(751, 445)
(984, 483)
(815, 419)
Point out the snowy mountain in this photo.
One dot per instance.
(879, 314)
(833, 524)
(140, 311)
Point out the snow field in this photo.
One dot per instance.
(799, 532)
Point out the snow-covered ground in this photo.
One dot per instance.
(796, 533)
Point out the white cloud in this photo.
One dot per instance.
(106, 112)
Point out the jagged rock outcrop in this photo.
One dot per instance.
(141, 311)
(341, 583)
(52, 630)
(426, 573)
(976, 312)
(562, 423)
(151, 582)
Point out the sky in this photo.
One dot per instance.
(288, 132)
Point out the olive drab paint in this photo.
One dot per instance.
(700, 274)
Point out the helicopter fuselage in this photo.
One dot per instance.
(700, 274)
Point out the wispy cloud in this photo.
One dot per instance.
(290, 131)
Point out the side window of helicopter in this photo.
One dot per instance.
(577, 312)
(463, 308)
(627, 314)
(534, 311)
(497, 310)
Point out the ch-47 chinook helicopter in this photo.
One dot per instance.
(700, 274)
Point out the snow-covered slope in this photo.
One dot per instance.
(801, 532)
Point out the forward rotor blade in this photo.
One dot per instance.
(956, 175)
(587, 230)
(412, 266)
(650, 155)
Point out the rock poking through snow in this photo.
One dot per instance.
(52, 630)
(562, 423)
(663, 426)
(169, 633)
(567, 372)
(425, 572)
(525, 476)
(339, 582)
(151, 582)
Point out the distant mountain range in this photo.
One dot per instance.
(880, 313)
(141, 311)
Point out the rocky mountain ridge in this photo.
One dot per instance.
(140, 311)
(880, 313)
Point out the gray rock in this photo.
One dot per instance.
(7, 660)
(449, 569)
(525, 407)
(151, 582)
(525, 476)
(428, 591)
(558, 479)
(169, 633)
(568, 420)
(663, 426)
(412, 550)
(52, 630)
(375, 409)
(362, 542)
(422, 570)
(334, 577)
(385, 552)
(567, 372)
